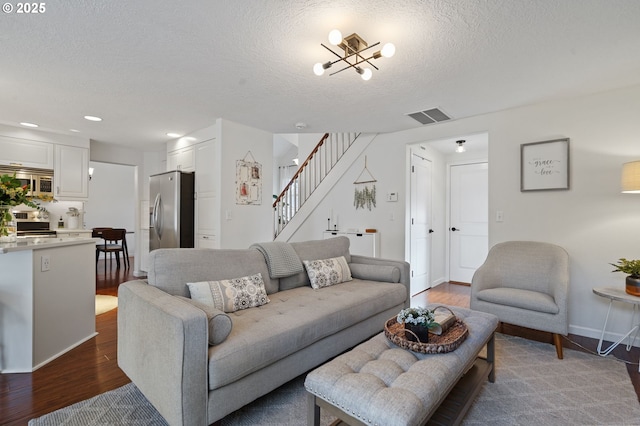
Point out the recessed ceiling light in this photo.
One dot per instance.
(74, 130)
(92, 118)
(26, 124)
(173, 135)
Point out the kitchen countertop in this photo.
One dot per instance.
(35, 243)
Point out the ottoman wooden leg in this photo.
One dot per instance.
(313, 411)
(491, 357)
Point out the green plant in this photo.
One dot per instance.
(631, 267)
(13, 193)
(417, 316)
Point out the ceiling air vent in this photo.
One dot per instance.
(433, 115)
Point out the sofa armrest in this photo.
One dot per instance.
(405, 271)
(163, 347)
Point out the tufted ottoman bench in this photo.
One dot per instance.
(379, 383)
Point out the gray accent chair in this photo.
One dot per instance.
(525, 283)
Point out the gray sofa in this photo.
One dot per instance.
(163, 339)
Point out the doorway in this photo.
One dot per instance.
(431, 187)
(468, 219)
(112, 199)
(420, 223)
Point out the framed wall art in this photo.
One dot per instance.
(248, 181)
(544, 166)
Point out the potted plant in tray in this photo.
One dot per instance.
(632, 268)
(417, 322)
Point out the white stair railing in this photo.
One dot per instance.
(309, 176)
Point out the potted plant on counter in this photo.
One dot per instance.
(632, 268)
(417, 322)
(12, 193)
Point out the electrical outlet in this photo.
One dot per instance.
(45, 263)
(499, 216)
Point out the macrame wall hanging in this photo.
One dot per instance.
(248, 180)
(365, 191)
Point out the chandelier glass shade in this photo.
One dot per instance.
(357, 53)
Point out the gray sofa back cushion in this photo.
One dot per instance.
(314, 250)
(171, 269)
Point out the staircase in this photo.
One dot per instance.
(312, 172)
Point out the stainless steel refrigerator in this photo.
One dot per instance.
(171, 216)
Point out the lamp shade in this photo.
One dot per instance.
(631, 177)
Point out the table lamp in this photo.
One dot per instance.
(630, 181)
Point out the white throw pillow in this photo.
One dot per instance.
(326, 272)
(231, 295)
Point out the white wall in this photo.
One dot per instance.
(243, 225)
(112, 199)
(387, 165)
(144, 164)
(593, 221)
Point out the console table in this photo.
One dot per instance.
(618, 294)
(362, 243)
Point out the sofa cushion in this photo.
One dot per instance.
(230, 295)
(385, 273)
(327, 272)
(219, 323)
(171, 269)
(294, 319)
(518, 298)
(313, 250)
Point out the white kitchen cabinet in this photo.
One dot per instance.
(207, 241)
(181, 159)
(362, 243)
(206, 168)
(144, 250)
(26, 153)
(71, 173)
(207, 215)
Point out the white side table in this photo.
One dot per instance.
(620, 295)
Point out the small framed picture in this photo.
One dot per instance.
(544, 166)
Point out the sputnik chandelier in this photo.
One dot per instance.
(355, 54)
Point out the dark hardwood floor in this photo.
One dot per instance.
(83, 372)
(91, 368)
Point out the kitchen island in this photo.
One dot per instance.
(47, 299)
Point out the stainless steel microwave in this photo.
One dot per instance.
(40, 181)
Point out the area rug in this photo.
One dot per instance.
(105, 303)
(532, 387)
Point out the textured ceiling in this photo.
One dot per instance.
(148, 67)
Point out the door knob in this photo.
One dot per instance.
(431, 231)
(454, 229)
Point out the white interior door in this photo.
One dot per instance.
(420, 224)
(468, 224)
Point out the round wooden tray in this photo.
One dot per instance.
(447, 342)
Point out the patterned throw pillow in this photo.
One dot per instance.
(326, 272)
(231, 295)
